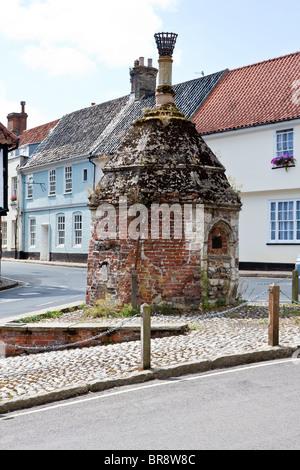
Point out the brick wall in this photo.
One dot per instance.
(49, 336)
(167, 270)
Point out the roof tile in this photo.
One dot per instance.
(261, 93)
(36, 134)
(101, 128)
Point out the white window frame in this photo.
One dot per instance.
(52, 182)
(24, 150)
(77, 229)
(4, 233)
(60, 229)
(32, 232)
(84, 172)
(14, 186)
(286, 147)
(29, 186)
(284, 221)
(68, 174)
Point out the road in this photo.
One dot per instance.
(257, 288)
(251, 407)
(41, 287)
(46, 286)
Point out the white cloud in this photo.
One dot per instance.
(69, 36)
(57, 60)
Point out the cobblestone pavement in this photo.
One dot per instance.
(207, 338)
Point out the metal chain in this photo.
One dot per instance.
(292, 300)
(111, 330)
(218, 314)
(76, 343)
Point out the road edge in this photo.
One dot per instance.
(138, 377)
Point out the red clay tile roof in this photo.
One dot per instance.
(36, 134)
(261, 93)
(7, 137)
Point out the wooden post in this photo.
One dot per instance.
(295, 285)
(145, 337)
(134, 289)
(274, 291)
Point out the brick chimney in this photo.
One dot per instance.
(17, 122)
(143, 78)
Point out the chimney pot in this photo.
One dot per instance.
(141, 60)
(149, 62)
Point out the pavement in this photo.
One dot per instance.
(214, 340)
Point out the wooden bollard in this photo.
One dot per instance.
(134, 289)
(274, 292)
(295, 285)
(145, 337)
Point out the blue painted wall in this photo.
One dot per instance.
(45, 209)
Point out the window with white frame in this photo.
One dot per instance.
(285, 142)
(29, 186)
(32, 231)
(24, 150)
(4, 233)
(14, 187)
(84, 175)
(285, 221)
(68, 179)
(61, 225)
(13, 233)
(52, 182)
(77, 228)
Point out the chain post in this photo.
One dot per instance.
(145, 337)
(295, 285)
(274, 292)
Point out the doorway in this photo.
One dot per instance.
(45, 253)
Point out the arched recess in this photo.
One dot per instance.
(220, 239)
(222, 272)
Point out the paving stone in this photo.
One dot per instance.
(212, 337)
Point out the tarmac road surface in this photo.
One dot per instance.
(40, 287)
(249, 407)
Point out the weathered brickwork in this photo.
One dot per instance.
(163, 160)
(35, 339)
(166, 270)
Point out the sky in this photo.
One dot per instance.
(60, 56)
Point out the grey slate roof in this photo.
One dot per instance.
(101, 128)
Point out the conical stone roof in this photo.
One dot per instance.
(164, 159)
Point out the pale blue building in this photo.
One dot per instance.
(56, 218)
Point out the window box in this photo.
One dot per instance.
(283, 161)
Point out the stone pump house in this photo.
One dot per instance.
(164, 216)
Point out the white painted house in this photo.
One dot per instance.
(28, 142)
(252, 116)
